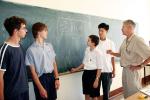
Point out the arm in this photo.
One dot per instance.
(77, 68)
(113, 53)
(146, 61)
(143, 51)
(36, 80)
(1, 85)
(141, 65)
(113, 65)
(99, 63)
(98, 74)
(96, 82)
(57, 83)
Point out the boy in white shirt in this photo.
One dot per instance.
(108, 71)
(92, 69)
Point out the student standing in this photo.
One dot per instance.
(108, 71)
(134, 54)
(92, 69)
(40, 56)
(13, 75)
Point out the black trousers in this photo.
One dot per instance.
(22, 96)
(48, 82)
(106, 80)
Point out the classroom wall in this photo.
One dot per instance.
(138, 10)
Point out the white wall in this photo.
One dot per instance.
(138, 10)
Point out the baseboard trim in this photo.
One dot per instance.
(114, 93)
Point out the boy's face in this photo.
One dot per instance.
(90, 43)
(43, 34)
(22, 31)
(102, 32)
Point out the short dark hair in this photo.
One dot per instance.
(94, 39)
(37, 27)
(103, 25)
(13, 22)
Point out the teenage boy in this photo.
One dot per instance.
(92, 69)
(13, 75)
(40, 56)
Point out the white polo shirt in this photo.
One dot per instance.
(103, 47)
(92, 59)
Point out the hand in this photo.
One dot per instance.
(73, 70)
(109, 51)
(137, 67)
(113, 74)
(96, 82)
(43, 93)
(57, 84)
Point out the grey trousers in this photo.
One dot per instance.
(131, 81)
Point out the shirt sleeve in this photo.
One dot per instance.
(142, 49)
(29, 58)
(99, 60)
(4, 58)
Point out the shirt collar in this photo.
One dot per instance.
(130, 38)
(39, 45)
(102, 40)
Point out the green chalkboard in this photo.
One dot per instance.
(68, 31)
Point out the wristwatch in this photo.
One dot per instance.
(56, 78)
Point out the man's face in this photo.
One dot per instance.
(22, 31)
(102, 32)
(127, 29)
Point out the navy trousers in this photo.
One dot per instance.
(48, 82)
(106, 80)
(22, 96)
